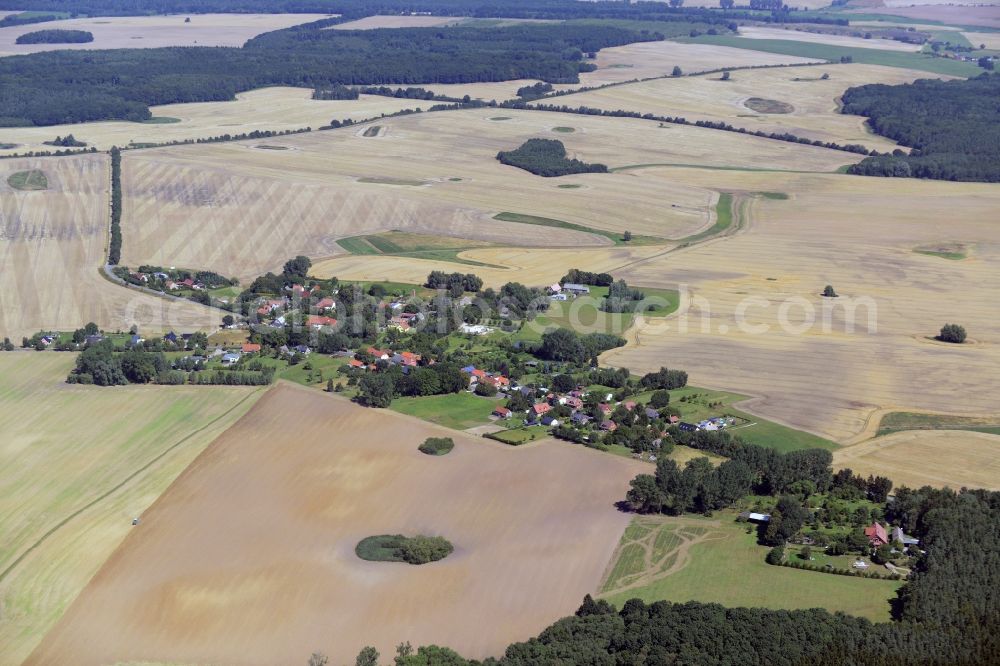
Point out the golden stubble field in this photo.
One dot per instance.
(859, 235)
(954, 458)
(757, 32)
(52, 245)
(147, 32)
(249, 557)
(648, 59)
(77, 463)
(242, 210)
(275, 109)
(816, 101)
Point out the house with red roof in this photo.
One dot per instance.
(609, 426)
(541, 408)
(355, 363)
(379, 354)
(877, 535)
(502, 412)
(251, 348)
(319, 321)
(326, 304)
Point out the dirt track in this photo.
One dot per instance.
(248, 558)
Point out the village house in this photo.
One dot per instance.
(379, 354)
(250, 348)
(320, 321)
(230, 359)
(899, 536)
(877, 535)
(609, 426)
(502, 412)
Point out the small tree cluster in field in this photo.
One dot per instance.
(829, 291)
(952, 333)
(398, 548)
(437, 446)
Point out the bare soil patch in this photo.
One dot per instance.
(249, 556)
(761, 105)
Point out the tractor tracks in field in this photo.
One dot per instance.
(121, 484)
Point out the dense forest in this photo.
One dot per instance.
(56, 37)
(354, 9)
(953, 127)
(76, 86)
(546, 157)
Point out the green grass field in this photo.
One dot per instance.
(419, 246)
(755, 430)
(28, 180)
(518, 436)
(454, 410)
(584, 315)
(615, 237)
(160, 120)
(714, 560)
(907, 60)
(900, 421)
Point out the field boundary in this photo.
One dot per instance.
(124, 482)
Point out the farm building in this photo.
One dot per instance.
(576, 289)
(877, 535)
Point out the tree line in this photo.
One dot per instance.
(115, 245)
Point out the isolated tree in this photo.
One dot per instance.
(318, 659)
(727, 4)
(826, 76)
(806, 553)
(367, 657)
(776, 555)
(677, 71)
(829, 292)
(952, 333)
(228, 320)
(627, 236)
(329, 386)
(725, 76)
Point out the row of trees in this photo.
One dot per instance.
(115, 244)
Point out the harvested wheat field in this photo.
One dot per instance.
(147, 32)
(974, 12)
(275, 109)
(915, 458)
(530, 266)
(755, 32)
(815, 106)
(249, 557)
(990, 40)
(857, 234)
(71, 483)
(52, 245)
(644, 60)
(373, 22)
(428, 173)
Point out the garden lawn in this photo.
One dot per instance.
(454, 410)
